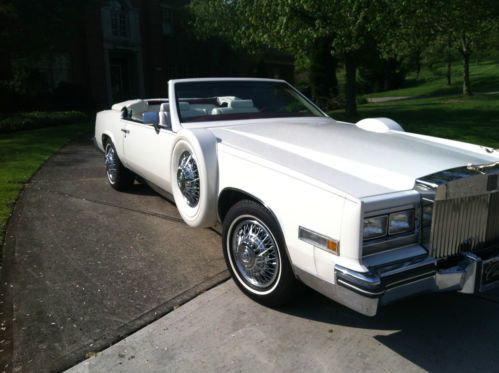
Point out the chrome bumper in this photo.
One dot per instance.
(383, 284)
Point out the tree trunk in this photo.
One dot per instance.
(449, 70)
(323, 81)
(449, 61)
(350, 86)
(466, 67)
(418, 66)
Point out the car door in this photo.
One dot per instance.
(148, 153)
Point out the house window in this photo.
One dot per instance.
(166, 21)
(120, 20)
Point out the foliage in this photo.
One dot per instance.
(38, 119)
(417, 27)
(22, 153)
(407, 31)
(294, 26)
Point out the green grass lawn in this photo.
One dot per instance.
(469, 119)
(22, 153)
(484, 77)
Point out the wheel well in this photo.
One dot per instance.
(105, 139)
(229, 197)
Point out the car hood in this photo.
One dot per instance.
(355, 161)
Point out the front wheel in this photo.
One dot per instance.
(255, 254)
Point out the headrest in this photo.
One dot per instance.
(138, 106)
(236, 104)
(183, 106)
(164, 107)
(227, 99)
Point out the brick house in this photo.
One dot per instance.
(131, 48)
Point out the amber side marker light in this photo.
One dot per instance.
(319, 240)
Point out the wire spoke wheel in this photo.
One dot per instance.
(188, 178)
(118, 175)
(255, 253)
(112, 164)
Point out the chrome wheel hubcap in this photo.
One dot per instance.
(255, 253)
(188, 178)
(111, 162)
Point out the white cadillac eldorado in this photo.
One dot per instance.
(364, 213)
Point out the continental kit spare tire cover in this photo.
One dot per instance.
(194, 176)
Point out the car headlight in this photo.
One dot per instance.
(375, 227)
(401, 222)
(389, 225)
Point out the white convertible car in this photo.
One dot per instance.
(364, 213)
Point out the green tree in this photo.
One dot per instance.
(295, 26)
(469, 23)
(441, 25)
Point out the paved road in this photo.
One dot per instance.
(224, 331)
(85, 265)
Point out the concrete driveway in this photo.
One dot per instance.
(224, 331)
(85, 266)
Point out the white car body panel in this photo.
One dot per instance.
(148, 153)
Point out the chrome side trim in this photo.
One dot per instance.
(358, 289)
(396, 284)
(408, 265)
(367, 279)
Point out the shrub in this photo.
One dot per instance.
(38, 119)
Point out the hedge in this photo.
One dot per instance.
(38, 119)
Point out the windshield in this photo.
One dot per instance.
(204, 101)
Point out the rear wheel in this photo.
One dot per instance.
(255, 254)
(118, 176)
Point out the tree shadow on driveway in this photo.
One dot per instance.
(437, 332)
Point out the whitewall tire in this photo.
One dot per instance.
(255, 253)
(194, 176)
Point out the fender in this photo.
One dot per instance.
(108, 123)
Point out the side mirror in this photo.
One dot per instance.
(124, 113)
(156, 126)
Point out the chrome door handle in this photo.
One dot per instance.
(125, 130)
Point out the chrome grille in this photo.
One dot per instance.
(464, 224)
(493, 223)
